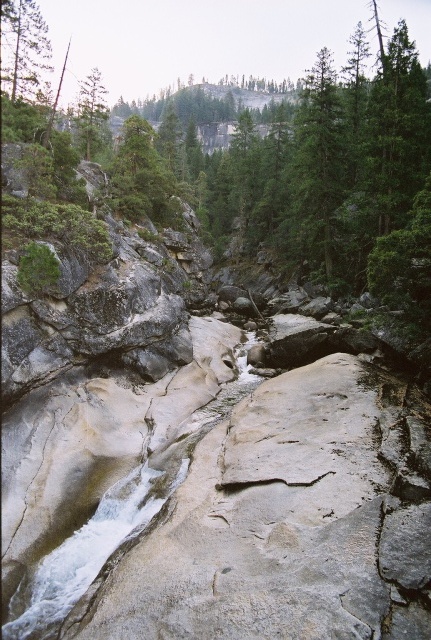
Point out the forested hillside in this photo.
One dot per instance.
(337, 193)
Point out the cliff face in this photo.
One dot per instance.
(218, 135)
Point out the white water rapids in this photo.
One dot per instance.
(65, 574)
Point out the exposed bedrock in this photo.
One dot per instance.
(285, 526)
(66, 443)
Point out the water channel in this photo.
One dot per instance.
(41, 603)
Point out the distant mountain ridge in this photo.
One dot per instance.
(213, 107)
(245, 97)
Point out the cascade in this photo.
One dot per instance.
(41, 603)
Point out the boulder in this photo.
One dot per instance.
(288, 302)
(368, 301)
(354, 341)
(256, 355)
(317, 308)
(332, 318)
(230, 293)
(295, 340)
(244, 307)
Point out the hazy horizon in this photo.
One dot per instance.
(140, 48)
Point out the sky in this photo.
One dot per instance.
(143, 46)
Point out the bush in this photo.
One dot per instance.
(20, 121)
(38, 269)
(68, 223)
(37, 166)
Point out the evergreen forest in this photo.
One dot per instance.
(338, 192)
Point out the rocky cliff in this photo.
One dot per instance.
(130, 312)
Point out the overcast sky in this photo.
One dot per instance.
(142, 46)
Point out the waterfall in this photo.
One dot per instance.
(65, 574)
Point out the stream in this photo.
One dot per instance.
(42, 602)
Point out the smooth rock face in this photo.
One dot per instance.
(66, 443)
(275, 532)
(313, 426)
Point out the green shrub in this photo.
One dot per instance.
(38, 269)
(147, 235)
(68, 223)
(38, 168)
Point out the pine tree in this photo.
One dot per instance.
(141, 184)
(93, 112)
(274, 153)
(317, 180)
(195, 158)
(169, 138)
(26, 50)
(399, 133)
(246, 166)
(355, 103)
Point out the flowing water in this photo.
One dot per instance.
(64, 575)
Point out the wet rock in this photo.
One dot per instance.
(256, 355)
(67, 442)
(286, 544)
(265, 372)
